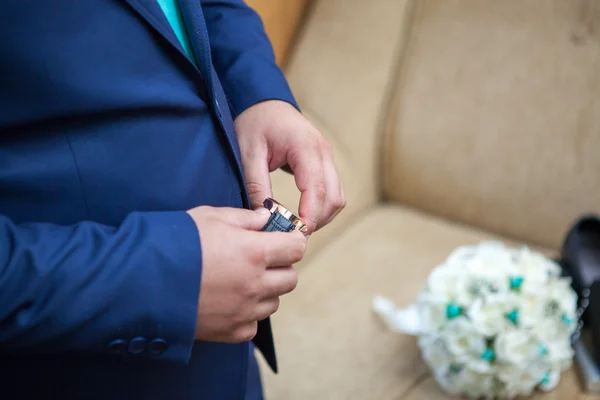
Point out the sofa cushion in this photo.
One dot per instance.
(496, 116)
(330, 345)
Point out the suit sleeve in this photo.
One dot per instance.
(97, 289)
(243, 56)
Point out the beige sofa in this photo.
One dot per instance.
(453, 121)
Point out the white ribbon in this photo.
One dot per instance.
(406, 320)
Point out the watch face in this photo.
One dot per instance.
(273, 206)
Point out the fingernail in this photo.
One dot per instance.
(262, 211)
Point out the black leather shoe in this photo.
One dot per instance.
(580, 260)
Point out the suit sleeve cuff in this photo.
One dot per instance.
(172, 285)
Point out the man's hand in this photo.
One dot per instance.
(272, 134)
(244, 271)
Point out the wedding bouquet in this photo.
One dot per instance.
(491, 321)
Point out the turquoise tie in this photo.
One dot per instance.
(173, 14)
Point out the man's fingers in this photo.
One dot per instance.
(266, 308)
(277, 248)
(256, 174)
(336, 199)
(243, 333)
(288, 169)
(307, 165)
(279, 281)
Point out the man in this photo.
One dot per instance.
(136, 141)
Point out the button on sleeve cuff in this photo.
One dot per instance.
(158, 302)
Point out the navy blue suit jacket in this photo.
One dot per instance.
(108, 133)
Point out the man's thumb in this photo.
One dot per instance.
(246, 219)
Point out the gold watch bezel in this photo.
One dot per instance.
(273, 205)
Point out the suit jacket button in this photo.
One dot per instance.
(158, 346)
(137, 345)
(117, 346)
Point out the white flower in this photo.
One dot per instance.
(490, 265)
(441, 282)
(447, 381)
(435, 355)
(551, 379)
(535, 266)
(516, 347)
(473, 383)
(534, 269)
(553, 330)
(479, 281)
(520, 379)
(560, 291)
(433, 312)
(462, 340)
(560, 352)
(532, 307)
(490, 316)
(492, 322)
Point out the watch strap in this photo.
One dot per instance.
(278, 223)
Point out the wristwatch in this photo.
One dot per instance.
(282, 219)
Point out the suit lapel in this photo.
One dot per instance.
(197, 30)
(195, 24)
(151, 12)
